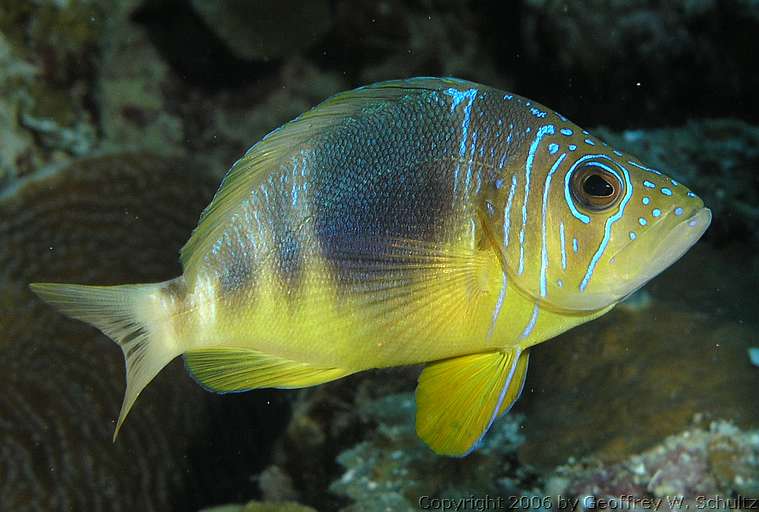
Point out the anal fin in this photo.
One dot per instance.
(458, 399)
(231, 369)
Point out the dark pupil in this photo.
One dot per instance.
(595, 185)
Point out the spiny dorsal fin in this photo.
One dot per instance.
(249, 170)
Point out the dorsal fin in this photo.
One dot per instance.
(283, 142)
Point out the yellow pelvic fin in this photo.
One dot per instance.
(516, 385)
(228, 369)
(458, 399)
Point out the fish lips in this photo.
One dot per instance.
(664, 250)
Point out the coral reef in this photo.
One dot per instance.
(48, 53)
(391, 470)
(696, 464)
(386, 470)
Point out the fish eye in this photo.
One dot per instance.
(595, 187)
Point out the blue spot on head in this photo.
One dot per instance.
(633, 236)
(678, 211)
(642, 221)
(527, 130)
(588, 141)
(656, 212)
(618, 153)
(674, 182)
(566, 131)
(572, 147)
(585, 132)
(666, 191)
(646, 200)
(648, 184)
(691, 194)
(553, 148)
(508, 97)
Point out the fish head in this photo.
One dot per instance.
(607, 225)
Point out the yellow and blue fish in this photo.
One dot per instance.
(428, 220)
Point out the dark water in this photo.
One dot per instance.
(117, 120)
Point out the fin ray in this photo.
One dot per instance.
(516, 386)
(129, 316)
(231, 369)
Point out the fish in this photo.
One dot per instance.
(427, 220)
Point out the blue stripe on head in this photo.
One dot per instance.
(543, 248)
(542, 132)
(647, 169)
(607, 229)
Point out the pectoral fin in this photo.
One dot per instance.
(228, 369)
(458, 399)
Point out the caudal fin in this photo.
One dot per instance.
(132, 316)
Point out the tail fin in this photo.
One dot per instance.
(131, 315)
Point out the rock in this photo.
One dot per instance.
(267, 29)
(276, 485)
(262, 506)
(135, 91)
(691, 465)
(390, 468)
(48, 57)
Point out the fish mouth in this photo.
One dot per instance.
(674, 244)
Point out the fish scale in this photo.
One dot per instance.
(426, 220)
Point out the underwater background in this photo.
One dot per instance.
(119, 118)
